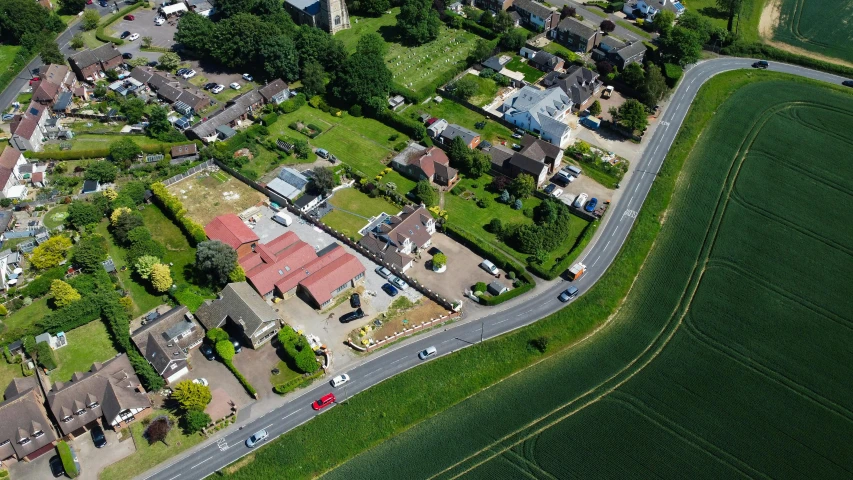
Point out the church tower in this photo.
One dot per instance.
(334, 14)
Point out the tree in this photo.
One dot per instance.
(191, 396)
(146, 41)
(665, 19)
(301, 148)
(514, 39)
(567, 12)
(195, 421)
(466, 87)
(633, 116)
(522, 186)
(372, 44)
(133, 110)
(604, 67)
(124, 151)
(216, 335)
(633, 75)
(161, 277)
(322, 180)
(373, 8)
(158, 430)
(730, 8)
(503, 22)
(681, 46)
(479, 165)
(215, 260)
(237, 275)
(125, 224)
(50, 53)
(313, 79)
(194, 32)
(487, 19)
(439, 260)
(654, 87)
(82, 213)
(364, 77)
(311, 43)
(91, 19)
(71, 7)
(101, 171)
(236, 40)
(158, 122)
(63, 294)
(595, 108)
(138, 234)
(225, 350)
(417, 22)
(90, 252)
(426, 193)
(117, 213)
(458, 152)
(483, 49)
(607, 26)
(169, 61)
(145, 265)
(50, 253)
(278, 56)
(77, 41)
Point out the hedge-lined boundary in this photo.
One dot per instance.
(298, 382)
(163, 148)
(580, 243)
(174, 208)
(67, 459)
(102, 36)
(240, 378)
(761, 50)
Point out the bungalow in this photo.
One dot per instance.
(579, 83)
(575, 34)
(28, 129)
(536, 15)
(471, 138)
(421, 163)
(230, 230)
(497, 62)
(166, 341)
(89, 65)
(10, 162)
(237, 110)
(275, 92)
(109, 393)
(26, 432)
(184, 153)
(241, 309)
(541, 112)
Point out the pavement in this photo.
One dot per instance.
(294, 410)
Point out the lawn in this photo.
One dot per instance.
(460, 115)
(821, 26)
(86, 345)
(8, 372)
(7, 56)
(23, 318)
(205, 198)
(89, 141)
(487, 89)
(56, 217)
(630, 26)
(560, 51)
(356, 208)
(531, 74)
(148, 456)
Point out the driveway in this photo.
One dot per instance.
(584, 184)
(93, 460)
(257, 365)
(218, 375)
(38, 469)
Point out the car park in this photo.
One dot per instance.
(568, 294)
(247, 77)
(207, 351)
(324, 401)
(340, 380)
(201, 381)
(488, 266)
(354, 301)
(133, 37)
(398, 282)
(590, 205)
(124, 35)
(235, 86)
(56, 467)
(390, 289)
(760, 64)
(98, 437)
(349, 317)
(129, 17)
(217, 89)
(256, 438)
(383, 272)
(426, 353)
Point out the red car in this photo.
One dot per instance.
(89, 2)
(129, 17)
(34, 80)
(324, 401)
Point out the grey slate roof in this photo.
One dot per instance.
(242, 304)
(546, 59)
(531, 99)
(537, 148)
(88, 57)
(272, 89)
(237, 107)
(22, 416)
(293, 177)
(452, 131)
(631, 50)
(578, 82)
(500, 156)
(527, 164)
(159, 343)
(577, 27)
(535, 8)
(385, 250)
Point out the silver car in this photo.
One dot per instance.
(257, 438)
(383, 272)
(398, 282)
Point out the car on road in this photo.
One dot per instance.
(847, 83)
(340, 380)
(124, 35)
(324, 401)
(98, 437)
(201, 381)
(217, 89)
(426, 353)
(488, 266)
(383, 272)
(208, 86)
(129, 17)
(390, 289)
(760, 64)
(349, 317)
(590, 205)
(556, 193)
(568, 294)
(56, 467)
(207, 351)
(133, 37)
(159, 21)
(398, 282)
(247, 77)
(127, 55)
(189, 75)
(354, 300)
(256, 438)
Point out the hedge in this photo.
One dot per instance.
(470, 26)
(410, 127)
(99, 33)
(760, 50)
(174, 208)
(46, 357)
(248, 386)
(161, 148)
(67, 459)
(41, 285)
(673, 74)
(565, 262)
(298, 382)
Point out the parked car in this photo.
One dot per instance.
(207, 351)
(556, 193)
(428, 352)
(517, 136)
(256, 438)
(182, 71)
(56, 467)
(201, 381)
(89, 2)
(98, 437)
(324, 401)
(354, 301)
(127, 55)
(581, 200)
(434, 251)
(516, 146)
(847, 83)
(590, 205)
(322, 153)
(760, 64)
(208, 86)
(568, 294)
(550, 188)
(247, 77)
(217, 89)
(190, 74)
(398, 282)
(383, 272)
(390, 289)
(124, 35)
(159, 21)
(133, 37)
(488, 266)
(153, 63)
(340, 380)
(235, 86)
(237, 346)
(348, 317)
(129, 17)
(103, 3)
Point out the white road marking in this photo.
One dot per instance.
(176, 476)
(289, 414)
(199, 463)
(268, 426)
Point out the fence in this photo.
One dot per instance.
(188, 173)
(398, 335)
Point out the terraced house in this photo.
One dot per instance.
(535, 15)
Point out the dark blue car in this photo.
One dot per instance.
(590, 205)
(390, 289)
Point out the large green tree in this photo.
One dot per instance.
(313, 79)
(522, 186)
(124, 151)
(191, 396)
(730, 8)
(236, 40)
(215, 260)
(682, 46)
(20, 18)
(514, 39)
(633, 115)
(82, 213)
(194, 32)
(322, 180)
(90, 252)
(277, 54)
(664, 20)
(133, 109)
(50, 53)
(654, 86)
(417, 22)
(71, 7)
(426, 193)
(364, 78)
(101, 171)
(372, 8)
(91, 19)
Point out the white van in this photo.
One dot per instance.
(489, 267)
(283, 218)
(581, 200)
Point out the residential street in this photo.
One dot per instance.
(620, 31)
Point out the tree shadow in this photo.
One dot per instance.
(714, 12)
(390, 33)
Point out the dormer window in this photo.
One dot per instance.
(38, 434)
(67, 419)
(4, 443)
(23, 441)
(93, 405)
(81, 411)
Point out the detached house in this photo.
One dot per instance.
(166, 341)
(471, 138)
(89, 65)
(575, 34)
(26, 432)
(10, 162)
(421, 163)
(579, 83)
(546, 62)
(536, 15)
(244, 311)
(28, 129)
(494, 6)
(537, 158)
(541, 112)
(395, 240)
(619, 53)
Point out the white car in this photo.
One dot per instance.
(217, 89)
(340, 380)
(133, 37)
(189, 74)
(159, 21)
(235, 86)
(428, 352)
(247, 77)
(398, 282)
(556, 193)
(201, 381)
(257, 438)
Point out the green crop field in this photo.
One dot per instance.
(731, 355)
(820, 26)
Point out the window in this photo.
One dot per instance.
(67, 419)
(23, 441)
(93, 405)
(338, 20)
(4, 443)
(38, 434)
(81, 411)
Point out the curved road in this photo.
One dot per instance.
(223, 450)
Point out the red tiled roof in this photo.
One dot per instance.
(295, 278)
(265, 276)
(38, 177)
(323, 282)
(46, 91)
(8, 160)
(429, 158)
(229, 229)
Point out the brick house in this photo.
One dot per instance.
(88, 65)
(575, 34)
(536, 15)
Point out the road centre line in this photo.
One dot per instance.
(199, 463)
(289, 414)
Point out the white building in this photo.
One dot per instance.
(10, 176)
(28, 129)
(540, 111)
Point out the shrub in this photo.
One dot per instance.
(45, 356)
(480, 287)
(225, 350)
(41, 284)
(673, 74)
(297, 348)
(67, 459)
(539, 343)
(355, 110)
(195, 420)
(295, 383)
(216, 335)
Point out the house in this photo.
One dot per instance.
(45, 92)
(63, 103)
(109, 394)
(9, 261)
(546, 62)
(493, 6)
(575, 34)
(536, 15)
(166, 341)
(471, 138)
(237, 110)
(386, 251)
(536, 158)
(10, 162)
(28, 129)
(240, 309)
(26, 432)
(407, 232)
(579, 83)
(435, 128)
(230, 230)
(89, 65)
(202, 7)
(618, 53)
(289, 183)
(275, 92)
(541, 112)
(421, 163)
(497, 62)
(329, 15)
(455, 7)
(648, 9)
(60, 75)
(184, 153)
(183, 100)
(500, 156)
(307, 201)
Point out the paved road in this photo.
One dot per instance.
(586, 13)
(384, 364)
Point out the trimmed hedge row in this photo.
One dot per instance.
(470, 25)
(67, 459)
(673, 74)
(174, 208)
(240, 378)
(564, 263)
(412, 128)
(102, 36)
(162, 148)
(760, 50)
(298, 382)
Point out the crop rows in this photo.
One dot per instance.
(821, 26)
